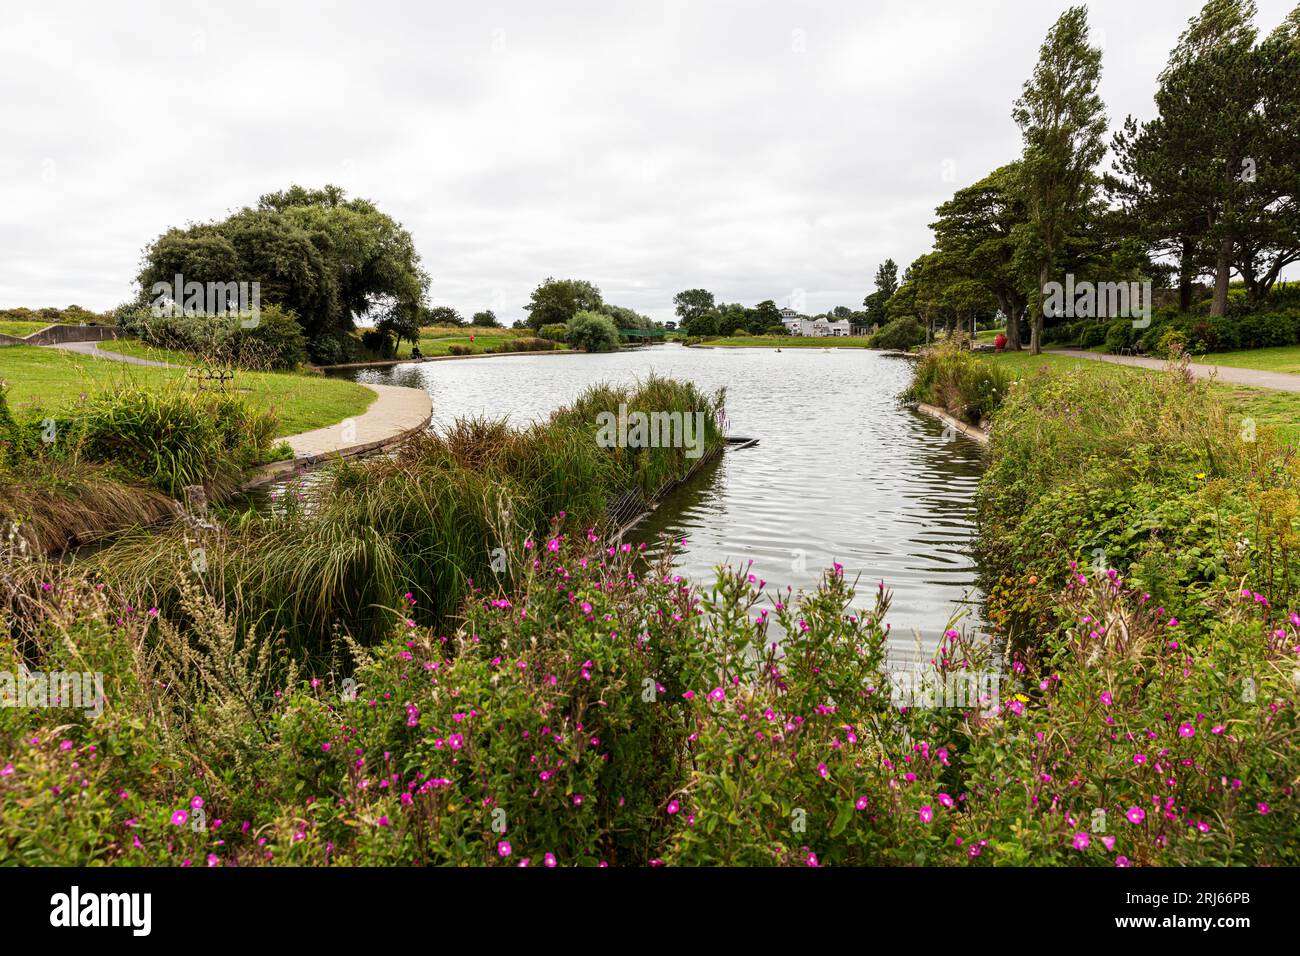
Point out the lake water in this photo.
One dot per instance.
(842, 473)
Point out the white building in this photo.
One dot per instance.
(813, 328)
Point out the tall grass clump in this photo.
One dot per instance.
(118, 458)
(960, 383)
(434, 520)
(650, 469)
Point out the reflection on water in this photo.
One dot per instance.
(841, 473)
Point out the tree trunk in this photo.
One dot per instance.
(1011, 308)
(1185, 268)
(1222, 273)
(1036, 319)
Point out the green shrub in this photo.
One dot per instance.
(555, 332)
(1091, 334)
(592, 332)
(458, 349)
(172, 438)
(1120, 334)
(378, 345)
(276, 342)
(901, 334)
(426, 519)
(950, 377)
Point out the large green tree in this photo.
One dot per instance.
(975, 230)
(886, 282)
(691, 304)
(328, 259)
(556, 301)
(1063, 122)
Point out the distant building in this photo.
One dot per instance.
(814, 328)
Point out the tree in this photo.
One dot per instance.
(556, 301)
(692, 304)
(400, 322)
(487, 319)
(766, 314)
(1208, 101)
(1269, 219)
(886, 285)
(441, 315)
(328, 259)
(976, 232)
(1062, 120)
(592, 332)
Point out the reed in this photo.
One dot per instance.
(434, 521)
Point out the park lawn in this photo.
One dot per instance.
(786, 342)
(1269, 409)
(137, 349)
(1285, 358)
(45, 380)
(20, 328)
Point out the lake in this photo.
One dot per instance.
(842, 473)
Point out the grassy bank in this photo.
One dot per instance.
(119, 458)
(46, 381)
(20, 328)
(1267, 408)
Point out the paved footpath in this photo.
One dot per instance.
(1252, 377)
(93, 349)
(397, 412)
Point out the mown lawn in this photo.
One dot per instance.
(45, 380)
(1283, 359)
(1273, 409)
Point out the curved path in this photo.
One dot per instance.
(397, 412)
(1252, 377)
(93, 349)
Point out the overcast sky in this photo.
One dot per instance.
(761, 150)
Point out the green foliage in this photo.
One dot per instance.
(322, 257)
(171, 438)
(951, 378)
(556, 332)
(485, 319)
(72, 315)
(1151, 479)
(592, 708)
(276, 342)
(427, 519)
(592, 332)
(557, 301)
(901, 334)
